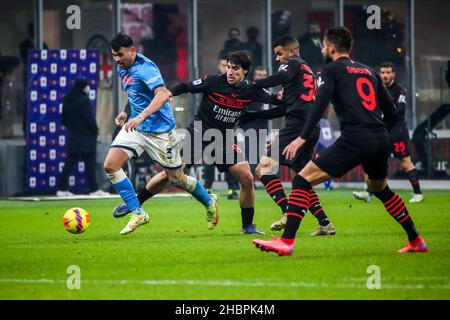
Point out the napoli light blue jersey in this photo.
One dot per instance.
(139, 82)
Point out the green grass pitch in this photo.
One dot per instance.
(175, 256)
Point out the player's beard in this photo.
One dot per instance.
(328, 59)
(387, 81)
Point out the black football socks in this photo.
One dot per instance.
(275, 189)
(413, 177)
(316, 208)
(144, 195)
(297, 206)
(247, 216)
(397, 210)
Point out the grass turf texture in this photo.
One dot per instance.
(175, 256)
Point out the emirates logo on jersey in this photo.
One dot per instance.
(127, 80)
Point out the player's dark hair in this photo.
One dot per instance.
(259, 68)
(387, 65)
(223, 56)
(121, 40)
(240, 58)
(341, 37)
(285, 41)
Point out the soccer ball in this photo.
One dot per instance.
(76, 220)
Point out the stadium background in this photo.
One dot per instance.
(191, 35)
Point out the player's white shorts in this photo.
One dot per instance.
(161, 147)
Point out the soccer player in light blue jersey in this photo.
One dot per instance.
(150, 128)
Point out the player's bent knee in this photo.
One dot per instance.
(176, 181)
(177, 178)
(266, 166)
(377, 185)
(246, 180)
(115, 160)
(109, 167)
(162, 175)
(265, 162)
(258, 171)
(407, 164)
(313, 174)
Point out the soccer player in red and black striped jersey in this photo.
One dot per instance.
(225, 97)
(299, 88)
(209, 169)
(365, 110)
(398, 135)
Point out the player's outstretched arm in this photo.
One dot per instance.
(285, 73)
(179, 89)
(401, 103)
(323, 97)
(196, 86)
(386, 105)
(325, 90)
(265, 96)
(162, 95)
(272, 113)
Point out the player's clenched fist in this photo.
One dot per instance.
(133, 123)
(280, 95)
(121, 118)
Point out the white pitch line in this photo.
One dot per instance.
(407, 278)
(89, 197)
(233, 283)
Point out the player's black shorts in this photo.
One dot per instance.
(370, 151)
(223, 154)
(399, 142)
(304, 154)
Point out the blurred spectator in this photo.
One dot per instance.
(162, 49)
(311, 46)
(180, 32)
(233, 43)
(281, 23)
(82, 134)
(25, 46)
(7, 65)
(253, 47)
(222, 64)
(281, 26)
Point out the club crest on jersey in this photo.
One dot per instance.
(283, 67)
(320, 82)
(127, 80)
(233, 95)
(401, 99)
